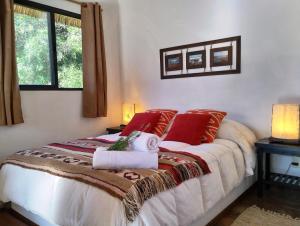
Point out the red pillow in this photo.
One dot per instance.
(142, 122)
(188, 128)
(213, 124)
(166, 116)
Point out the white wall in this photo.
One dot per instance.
(52, 116)
(270, 56)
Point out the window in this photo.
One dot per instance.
(48, 47)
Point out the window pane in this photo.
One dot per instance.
(69, 51)
(32, 47)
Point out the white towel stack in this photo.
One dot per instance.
(142, 154)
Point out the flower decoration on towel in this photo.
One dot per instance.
(123, 142)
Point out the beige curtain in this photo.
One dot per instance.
(94, 65)
(10, 101)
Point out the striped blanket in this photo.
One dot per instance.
(73, 159)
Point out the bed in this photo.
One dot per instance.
(52, 200)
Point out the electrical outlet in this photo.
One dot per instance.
(296, 162)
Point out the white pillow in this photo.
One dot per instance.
(244, 137)
(248, 133)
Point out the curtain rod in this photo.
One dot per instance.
(74, 1)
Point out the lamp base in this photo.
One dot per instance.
(283, 141)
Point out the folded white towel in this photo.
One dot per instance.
(146, 142)
(103, 159)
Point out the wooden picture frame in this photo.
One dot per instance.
(221, 56)
(174, 62)
(193, 59)
(234, 66)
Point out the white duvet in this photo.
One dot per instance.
(65, 202)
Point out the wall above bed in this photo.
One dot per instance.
(270, 56)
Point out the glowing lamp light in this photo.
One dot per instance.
(285, 123)
(128, 112)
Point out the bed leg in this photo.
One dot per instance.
(5, 205)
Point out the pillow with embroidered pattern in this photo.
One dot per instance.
(166, 116)
(144, 122)
(188, 128)
(213, 124)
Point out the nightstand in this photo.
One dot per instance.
(265, 148)
(117, 129)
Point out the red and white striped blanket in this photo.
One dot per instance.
(73, 159)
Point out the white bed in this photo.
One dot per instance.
(61, 201)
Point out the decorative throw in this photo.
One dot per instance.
(213, 124)
(73, 159)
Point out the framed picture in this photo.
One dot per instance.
(221, 56)
(224, 58)
(173, 62)
(196, 59)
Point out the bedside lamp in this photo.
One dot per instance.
(128, 113)
(285, 123)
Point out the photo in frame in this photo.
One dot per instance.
(221, 56)
(173, 62)
(207, 58)
(196, 59)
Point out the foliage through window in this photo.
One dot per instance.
(48, 47)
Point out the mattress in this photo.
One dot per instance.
(63, 201)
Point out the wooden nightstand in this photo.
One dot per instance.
(116, 129)
(265, 177)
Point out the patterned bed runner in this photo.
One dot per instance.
(73, 159)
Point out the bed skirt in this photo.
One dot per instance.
(202, 221)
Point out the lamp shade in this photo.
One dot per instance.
(128, 112)
(285, 123)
